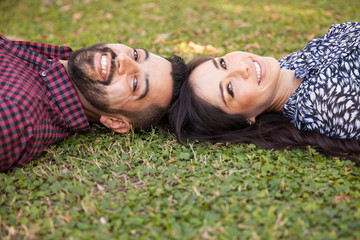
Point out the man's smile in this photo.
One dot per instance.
(103, 64)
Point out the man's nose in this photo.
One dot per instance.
(127, 65)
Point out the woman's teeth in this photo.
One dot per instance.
(103, 65)
(258, 71)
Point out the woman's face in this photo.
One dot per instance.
(238, 82)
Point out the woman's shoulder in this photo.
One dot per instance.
(319, 53)
(342, 28)
(329, 106)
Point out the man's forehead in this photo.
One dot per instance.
(117, 45)
(120, 46)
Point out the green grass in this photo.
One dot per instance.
(146, 185)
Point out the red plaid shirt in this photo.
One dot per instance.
(38, 103)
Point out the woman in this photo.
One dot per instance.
(310, 97)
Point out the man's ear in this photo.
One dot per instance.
(119, 125)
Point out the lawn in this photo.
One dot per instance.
(146, 185)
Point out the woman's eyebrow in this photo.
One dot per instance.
(215, 63)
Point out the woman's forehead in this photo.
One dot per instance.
(202, 72)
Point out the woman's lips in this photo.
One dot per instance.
(260, 67)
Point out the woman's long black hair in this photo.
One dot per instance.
(192, 118)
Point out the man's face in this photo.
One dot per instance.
(132, 78)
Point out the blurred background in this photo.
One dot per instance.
(187, 28)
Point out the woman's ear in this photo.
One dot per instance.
(251, 120)
(119, 125)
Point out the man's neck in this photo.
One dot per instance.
(65, 63)
(90, 112)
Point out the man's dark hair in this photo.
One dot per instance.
(153, 114)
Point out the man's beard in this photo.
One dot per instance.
(82, 72)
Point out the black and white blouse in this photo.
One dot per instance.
(328, 99)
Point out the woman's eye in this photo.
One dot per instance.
(136, 54)
(222, 63)
(135, 84)
(229, 88)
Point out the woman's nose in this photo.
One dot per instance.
(127, 65)
(244, 71)
(240, 70)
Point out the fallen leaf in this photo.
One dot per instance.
(190, 167)
(65, 8)
(77, 16)
(11, 230)
(196, 47)
(310, 36)
(196, 191)
(266, 8)
(240, 23)
(164, 35)
(103, 220)
(43, 9)
(175, 41)
(47, 2)
(149, 6)
(131, 41)
(275, 16)
(153, 17)
(101, 188)
(215, 165)
(211, 49)
(340, 198)
(254, 45)
(108, 16)
(171, 160)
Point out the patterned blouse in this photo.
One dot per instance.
(328, 99)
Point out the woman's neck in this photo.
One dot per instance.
(287, 86)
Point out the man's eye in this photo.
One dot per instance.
(222, 63)
(135, 84)
(229, 88)
(136, 54)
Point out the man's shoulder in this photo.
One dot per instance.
(48, 50)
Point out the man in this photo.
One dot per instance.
(47, 92)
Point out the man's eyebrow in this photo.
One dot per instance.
(146, 53)
(222, 93)
(146, 87)
(215, 63)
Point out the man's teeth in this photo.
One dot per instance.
(103, 65)
(258, 71)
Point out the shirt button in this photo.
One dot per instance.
(43, 74)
